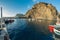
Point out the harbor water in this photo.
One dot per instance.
(22, 29)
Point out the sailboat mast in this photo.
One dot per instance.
(1, 12)
(1, 17)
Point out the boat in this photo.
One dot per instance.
(55, 30)
(3, 30)
(3, 33)
(9, 21)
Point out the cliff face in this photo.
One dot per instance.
(42, 10)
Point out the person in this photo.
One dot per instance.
(58, 19)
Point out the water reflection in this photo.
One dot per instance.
(23, 29)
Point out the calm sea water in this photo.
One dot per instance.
(22, 29)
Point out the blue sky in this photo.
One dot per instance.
(12, 7)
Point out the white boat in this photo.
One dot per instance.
(3, 31)
(57, 29)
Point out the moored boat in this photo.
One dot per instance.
(55, 29)
(3, 31)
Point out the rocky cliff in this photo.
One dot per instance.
(42, 10)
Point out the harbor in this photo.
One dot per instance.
(29, 20)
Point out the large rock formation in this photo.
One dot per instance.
(42, 10)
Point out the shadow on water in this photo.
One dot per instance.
(29, 30)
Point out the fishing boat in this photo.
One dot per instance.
(3, 30)
(55, 29)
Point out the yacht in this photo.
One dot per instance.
(3, 30)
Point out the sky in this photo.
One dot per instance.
(12, 7)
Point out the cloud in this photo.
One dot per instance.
(7, 13)
(37, 1)
(34, 0)
(28, 6)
